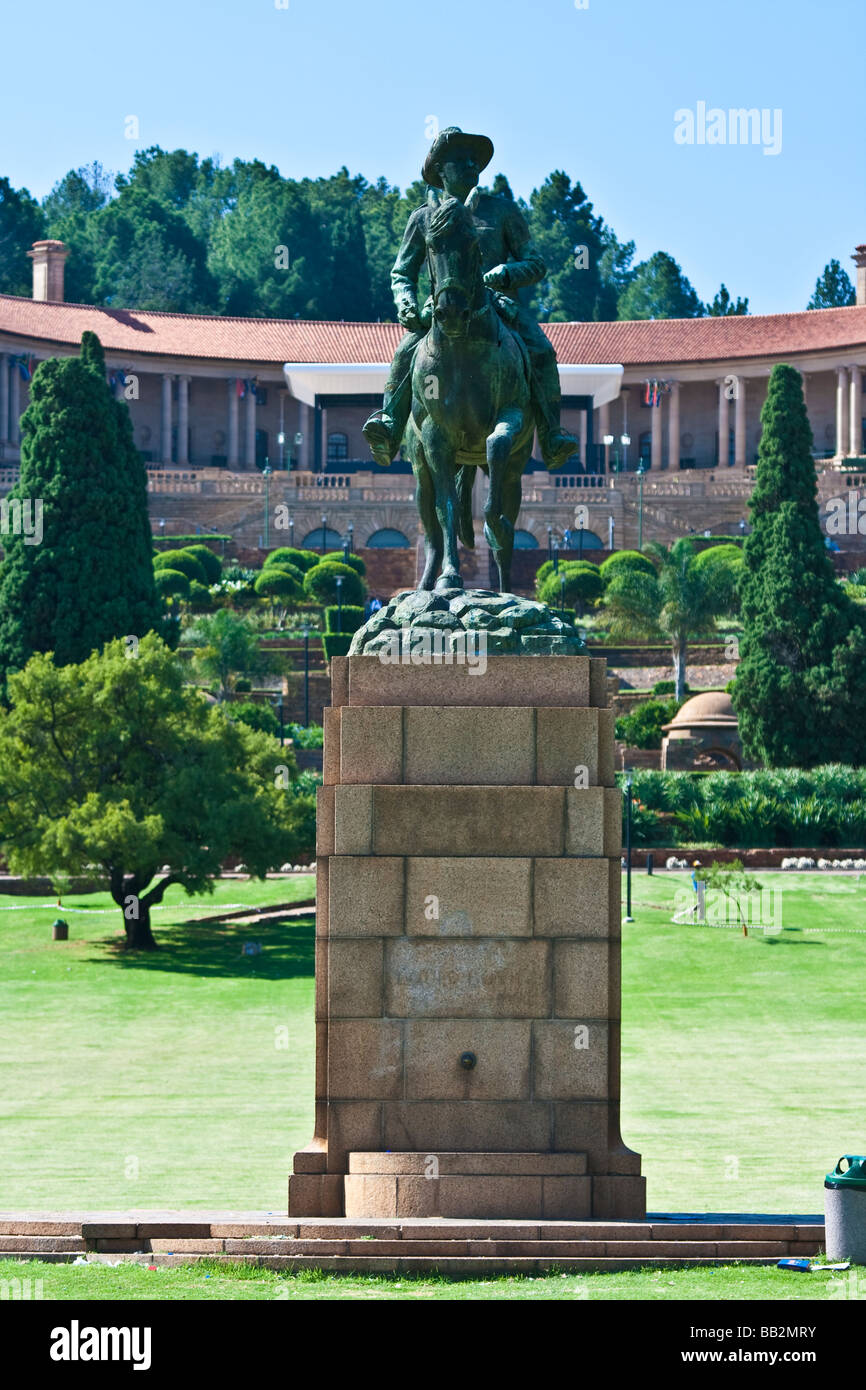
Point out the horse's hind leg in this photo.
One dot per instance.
(498, 526)
(511, 495)
(440, 456)
(425, 500)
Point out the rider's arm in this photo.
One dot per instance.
(410, 259)
(524, 265)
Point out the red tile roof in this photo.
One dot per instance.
(633, 343)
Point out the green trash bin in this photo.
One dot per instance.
(845, 1210)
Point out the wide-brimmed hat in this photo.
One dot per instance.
(445, 143)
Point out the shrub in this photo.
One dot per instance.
(200, 596)
(288, 555)
(255, 716)
(171, 583)
(320, 583)
(579, 582)
(667, 688)
(210, 563)
(351, 619)
(643, 727)
(279, 581)
(355, 561)
(623, 560)
(183, 562)
(312, 737)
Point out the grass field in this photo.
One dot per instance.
(211, 1281)
(185, 1078)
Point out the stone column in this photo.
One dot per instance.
(740, 424)
(673, 459)
(304, 426)
(656, 438)
(842, 439)
(603, 429)
(582, 436)
(15, 405)
(855, 422)
(250, 428)
(233, 446)
(4, 397)
(183, 419)
(724, 424)
(167, 379)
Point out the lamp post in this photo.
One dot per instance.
(611, 526)
(291, 530)
(625, 440)
(580, 530)
(350, 535)
(742, 529)
(299, 442)
(281, 440)
(640, 472)
(306, 677)
(324, 533)
(628, 916)
(550, 542)
(562, 596)
(266, 473)
(556, 557)
(339, 583)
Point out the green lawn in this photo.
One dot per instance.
(211, 1281)
(186, 1078)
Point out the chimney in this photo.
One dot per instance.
(48, 259)
(859, 259)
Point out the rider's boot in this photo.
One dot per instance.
(384, 429)
(557, 444)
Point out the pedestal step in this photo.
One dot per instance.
(465, 1249)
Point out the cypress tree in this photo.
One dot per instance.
(800, 688)
(89, 578)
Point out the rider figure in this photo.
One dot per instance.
(510, 262)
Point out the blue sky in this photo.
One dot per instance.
(593, 91)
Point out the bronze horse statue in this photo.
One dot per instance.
(471, 406)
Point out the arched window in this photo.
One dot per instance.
(524, 540)
(590, 541)
(313, 540)
(338, 448)
(388, 538)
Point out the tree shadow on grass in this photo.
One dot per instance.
(216, 949)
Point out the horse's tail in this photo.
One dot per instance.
(465, 484)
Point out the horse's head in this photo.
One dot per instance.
(455, 267)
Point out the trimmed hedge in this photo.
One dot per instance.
(320, 583)
(355, 561)
(351, 618)
(780, 807)
(336, 644)
(183, 562)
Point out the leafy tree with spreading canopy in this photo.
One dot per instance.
(115, 763)
(91, 577)
(680, 600)
(800, 687)
(226, 646)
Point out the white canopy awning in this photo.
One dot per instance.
(307, 380)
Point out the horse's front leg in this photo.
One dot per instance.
(441, 460)
(425, 498)
(498, 529)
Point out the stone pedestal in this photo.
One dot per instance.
(468, 946)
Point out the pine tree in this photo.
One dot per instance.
(89, 576)
(799, 688)
(833, 288)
